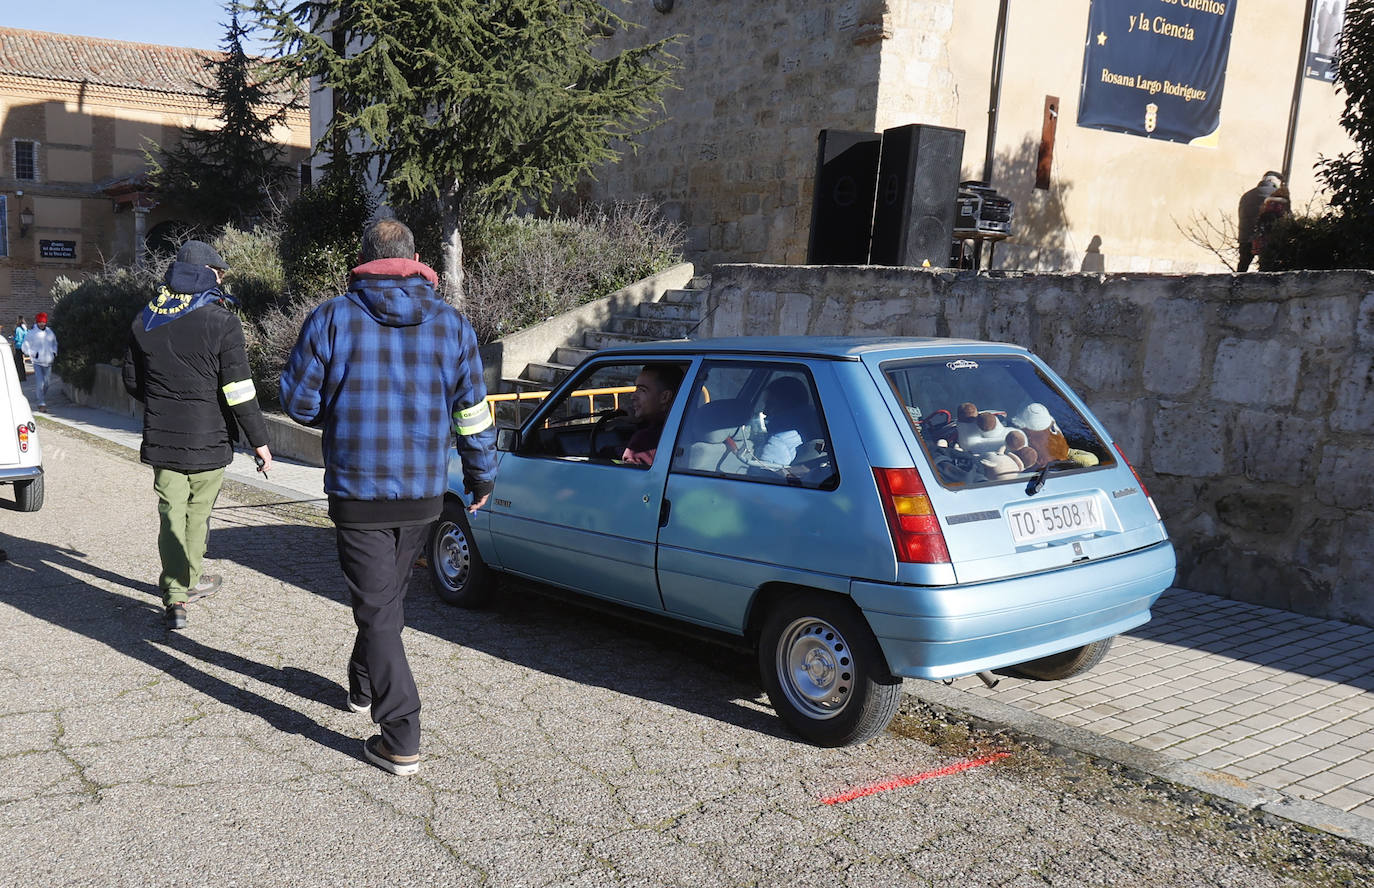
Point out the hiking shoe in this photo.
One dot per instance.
(209, 584)
(375, 751)
(175, 616)
(358, 707)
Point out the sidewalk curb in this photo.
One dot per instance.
(989, 714)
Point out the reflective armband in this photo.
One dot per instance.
(473, 419)
(239, 392)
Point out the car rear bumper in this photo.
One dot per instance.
(942, 632)
(19, 473)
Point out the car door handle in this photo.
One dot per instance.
(664, 508)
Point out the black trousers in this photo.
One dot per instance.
(377, 566)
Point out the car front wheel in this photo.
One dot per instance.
(824, 672)
(28, 495)
(456, 570)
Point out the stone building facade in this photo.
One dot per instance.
(1246, 402)
(734, 156)
(75, 116)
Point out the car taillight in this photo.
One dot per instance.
(1143, 489)
(911, 518)
(24, 438)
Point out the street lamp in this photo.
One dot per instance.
(25, 221)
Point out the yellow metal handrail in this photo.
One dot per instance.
(590, 394)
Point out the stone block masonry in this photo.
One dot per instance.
(1246, 402)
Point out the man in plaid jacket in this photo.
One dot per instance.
(384, 369)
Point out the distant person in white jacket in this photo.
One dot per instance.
(41, 347)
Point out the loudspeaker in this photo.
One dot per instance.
(842, 202)
(918, 182)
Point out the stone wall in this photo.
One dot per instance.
(1246, 402)
(734, 153)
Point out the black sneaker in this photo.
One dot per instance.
(176, 616)
(209, 584)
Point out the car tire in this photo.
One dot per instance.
(28, 495)
(1057, 667)
(456, 570)
(824, 672)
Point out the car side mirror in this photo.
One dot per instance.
(507, 440)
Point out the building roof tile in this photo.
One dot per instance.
(173, 69)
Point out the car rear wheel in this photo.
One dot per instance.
(28, 495)
(824, 672)
(1075, 661)
(456, 570)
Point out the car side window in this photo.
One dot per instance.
(612, 414)
(756, 422)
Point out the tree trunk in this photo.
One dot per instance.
(450, 210)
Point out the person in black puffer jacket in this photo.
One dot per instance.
(187, 365)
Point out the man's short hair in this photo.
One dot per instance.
(669, 376)
(387, 239)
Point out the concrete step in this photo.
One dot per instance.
(671, 311)
(650, 328)
(680, 297)
(599, 339)
(700, 282)
(570, 355)
(546, 373)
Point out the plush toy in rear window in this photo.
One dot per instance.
(980, 431)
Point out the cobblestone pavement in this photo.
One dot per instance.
(1268, 696)
(559, 748)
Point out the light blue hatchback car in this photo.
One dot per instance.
(856, 510)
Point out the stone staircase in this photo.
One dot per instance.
(674, 316)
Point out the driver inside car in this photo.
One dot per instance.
(655, 387)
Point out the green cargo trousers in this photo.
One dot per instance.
(185, 500)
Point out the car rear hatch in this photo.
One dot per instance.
(1022, 478)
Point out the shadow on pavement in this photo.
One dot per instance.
(45, 582)
(535, 631)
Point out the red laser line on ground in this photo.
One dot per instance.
(899, 782)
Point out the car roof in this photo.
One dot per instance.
(838, 348)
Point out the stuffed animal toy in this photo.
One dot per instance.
(1042, 433)
(1018, 444)
(980, 431)
(997, 466)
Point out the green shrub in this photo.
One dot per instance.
(92, 318)
(256, 278)
(321, 230)
(523, 270)
(1317, 242)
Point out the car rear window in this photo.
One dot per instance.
(983, 420)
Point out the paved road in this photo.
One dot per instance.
(561, 748)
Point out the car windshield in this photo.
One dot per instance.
(982, 420)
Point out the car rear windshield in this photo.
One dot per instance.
(983, 420)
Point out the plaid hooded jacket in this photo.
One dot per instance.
(385, 370)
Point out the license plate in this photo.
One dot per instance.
(1031, 524)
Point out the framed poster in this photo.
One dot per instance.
(1156, 68)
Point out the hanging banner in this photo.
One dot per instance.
(1328, 17)
(1156, 68)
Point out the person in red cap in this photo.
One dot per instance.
(41, 346)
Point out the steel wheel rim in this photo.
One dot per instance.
(815, 668)
(452, 558)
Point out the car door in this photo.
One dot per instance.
(566, 509)
(741, 512)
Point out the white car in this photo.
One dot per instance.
(21, 456)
